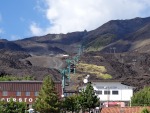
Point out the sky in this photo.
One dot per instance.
(21, 19)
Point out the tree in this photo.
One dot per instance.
(47, 100)
(12, 107)
(142, 97)
(2, 106)
(71, 103)
(88, 99)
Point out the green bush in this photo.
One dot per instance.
(145, 110)
(142, 97)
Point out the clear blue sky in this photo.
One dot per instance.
(16, 16)
(25, 18)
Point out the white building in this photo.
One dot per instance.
(113, 93)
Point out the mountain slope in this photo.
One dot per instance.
(52, 43)
(4, 44)
(121, 34)
(129, 36)
(131, 68)
(16, 64)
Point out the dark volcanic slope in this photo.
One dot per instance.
(12, 64)
(116, 36)
(131, 68)
(10, 46)
(52, 43)
(124, 35)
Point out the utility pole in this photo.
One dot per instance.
(68, 67)
(74, 66)
(134, 61)
(75, 61)
(108, 94)
(80, 50)
(63, 73)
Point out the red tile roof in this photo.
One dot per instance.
(135, 109)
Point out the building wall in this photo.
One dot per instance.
(124, 92)
(23, 98)
(11, 88)
(123, 95)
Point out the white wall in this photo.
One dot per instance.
(124, 92)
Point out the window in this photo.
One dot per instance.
(115, 92)
(65, 94)
(98, 92)
(18, 93)
(27, 93)
(5, 93)
(107, 92)
(36, 93)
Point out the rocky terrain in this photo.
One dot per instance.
(121, 46)
(15, 64)
(131, 68)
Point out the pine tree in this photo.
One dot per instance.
(71, 104)
(47, 101)
(88, 99)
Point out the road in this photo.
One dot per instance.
(58, 63)
(46, 61)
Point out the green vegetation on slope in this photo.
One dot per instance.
(99, 71)
(100, 42)
(13, 78)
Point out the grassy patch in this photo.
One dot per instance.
(99, 71)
